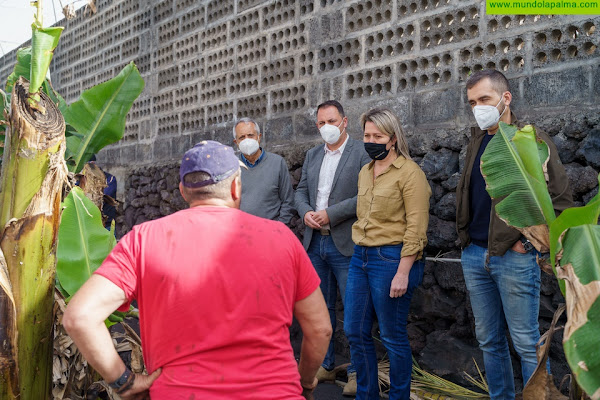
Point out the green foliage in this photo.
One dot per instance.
(99, 116)
(581, 250)
(512, 167)
(83, 242)
(95, 120)
(43, 43)
(22, 68)
(572, 217)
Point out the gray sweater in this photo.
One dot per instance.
(267, 189)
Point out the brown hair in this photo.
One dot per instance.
(332, 103)
(497, 78)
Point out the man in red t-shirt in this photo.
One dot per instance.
(217, 290)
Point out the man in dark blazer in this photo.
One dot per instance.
(326, 201)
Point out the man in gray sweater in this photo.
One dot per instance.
(266, 185)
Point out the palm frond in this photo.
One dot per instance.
(436, 385)
(481, 383)
(428, 386)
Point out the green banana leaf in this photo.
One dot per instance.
(43, 43)
(512, 165)
(570, 218)
(83, 242)
(70, 155)
(580, 267)
(23, 68)
(99, 115)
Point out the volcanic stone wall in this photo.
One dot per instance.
(208, 63)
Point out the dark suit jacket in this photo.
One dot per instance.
(342, 199)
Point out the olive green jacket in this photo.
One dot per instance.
(502, 237)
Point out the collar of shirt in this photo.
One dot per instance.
(398, 163)
(339, 150)
(249, 164)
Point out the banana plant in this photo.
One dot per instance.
(514, 167)
(33, 173)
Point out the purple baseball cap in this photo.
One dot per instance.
(216, 159)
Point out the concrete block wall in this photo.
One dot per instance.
(207, 63)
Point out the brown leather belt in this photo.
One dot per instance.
(325, 232)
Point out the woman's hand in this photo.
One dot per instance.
(399, 284)
(400, 281)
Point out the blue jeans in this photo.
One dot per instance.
(504, 292)
(332, 267)
(368, 295)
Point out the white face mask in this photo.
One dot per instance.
(249, 146)
(331, 133)
(487, 116)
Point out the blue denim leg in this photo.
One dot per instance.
(518, 278)
(358, 322)
(371, 273)
(503, 292)
(332, 268)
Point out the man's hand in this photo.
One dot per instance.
(310, 221)
(321, 217)
(141, 386)
(399, 284)
(518, 247)
(307, 390)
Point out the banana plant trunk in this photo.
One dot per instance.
(33, 173)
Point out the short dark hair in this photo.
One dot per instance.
(219, 190)
(332, 103)
(497, 78)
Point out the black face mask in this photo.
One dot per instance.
(377, 151)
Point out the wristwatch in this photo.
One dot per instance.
(122, 380)
(526, 244)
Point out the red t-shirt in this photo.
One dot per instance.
(216, 288)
